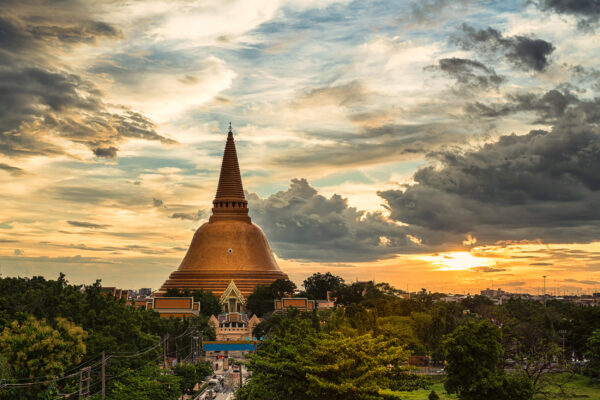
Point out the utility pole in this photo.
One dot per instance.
(85, 380)
(103, 376)
(544, 290)
(165, 342)
(563, 333)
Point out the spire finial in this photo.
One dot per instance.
(230, 127)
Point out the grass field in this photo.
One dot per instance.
(573, 386)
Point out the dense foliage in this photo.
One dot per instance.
(49, 327)
(317, 285)
(301, 361)
(479, 339)
(474, 357)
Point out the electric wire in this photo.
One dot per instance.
(164, 341)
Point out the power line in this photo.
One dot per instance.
(81, 367)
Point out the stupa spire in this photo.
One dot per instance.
(230, 200)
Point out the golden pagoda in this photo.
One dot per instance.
(229, 247)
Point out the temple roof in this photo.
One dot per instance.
(230, 181)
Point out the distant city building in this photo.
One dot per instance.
(494, 293)
(145, 292)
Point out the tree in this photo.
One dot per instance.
(188, 377)
(190, 374)
(146, 384)
(282, 288)
(317, 285)
(34, 348)
(473, 353)
(593, 353)
(300, 362)
(262, 300)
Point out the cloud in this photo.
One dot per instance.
(189, 216)
(584, 282)
(302, 224)
(548, 106)
(487, 269)
(63, 259)
(106, 152)
(157, 203)
(542, 185)
(514, 283)
(42, 102)
(83, 224)
(469, 74)
(14, 171)
(587, 12)
(524, 52)
(344, 95)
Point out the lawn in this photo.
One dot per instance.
(573, 386)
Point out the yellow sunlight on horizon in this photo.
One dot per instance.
(458, 261)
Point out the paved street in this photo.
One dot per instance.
(231, 382)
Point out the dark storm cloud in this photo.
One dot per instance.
(83, 224)
(524, 52)
(106, 152)
(548, 106)
(302, 224)
(37, 104)
(587, 12)
(41, 100)
(469, 74)
(542, 185)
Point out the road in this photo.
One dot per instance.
(232, 381)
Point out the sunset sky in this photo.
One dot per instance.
(450, 145)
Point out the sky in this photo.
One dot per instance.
(447, 145)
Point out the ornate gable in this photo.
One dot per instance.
(232, 292)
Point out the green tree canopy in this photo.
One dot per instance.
(300, 362)
(33, 348)
(473, 354)
(262, 300)
(317, 285)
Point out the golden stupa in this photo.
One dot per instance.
(229, 246)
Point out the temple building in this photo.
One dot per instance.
(229, 251)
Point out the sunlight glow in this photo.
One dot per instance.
(458, 261)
